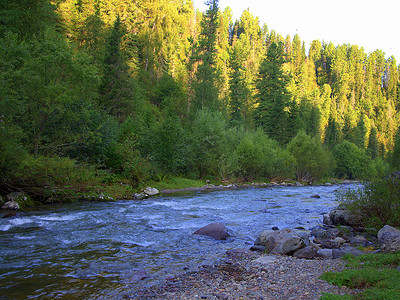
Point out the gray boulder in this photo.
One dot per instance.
(284, 241)
(151, 191)
(308, 252)
(217, 231)
(340, 216)
(325, 253)
(389, 238)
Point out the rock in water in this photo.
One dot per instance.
(215, 230)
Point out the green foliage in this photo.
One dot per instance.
(207, 136)
(274, 107)
(49, 171)
(351, 162)
(313, 162)
(258, 156)
(377, 203)
(374, 273)
(146, 88)
(169, 153)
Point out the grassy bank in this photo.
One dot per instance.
(377, 275)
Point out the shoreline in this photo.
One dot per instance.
(243, 274)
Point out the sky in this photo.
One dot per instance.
(368, 24)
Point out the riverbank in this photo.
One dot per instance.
(122, 190)
(243, 274)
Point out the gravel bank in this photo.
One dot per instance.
(244, 274)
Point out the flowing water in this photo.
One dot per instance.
(94, 250)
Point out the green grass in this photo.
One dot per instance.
(376, 274)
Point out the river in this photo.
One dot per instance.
(96, 250)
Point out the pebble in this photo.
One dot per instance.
(261, 277)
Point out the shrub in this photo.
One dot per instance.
(42, 171)
(312, 161)
(377, 203)
(351, 162)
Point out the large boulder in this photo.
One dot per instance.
(341, 216)
(284, 241)
(217, 231)
(389, 237)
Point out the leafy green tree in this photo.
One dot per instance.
(273, 111)
(351, 161)
(207, 140)
(312, 161)
(169, 151)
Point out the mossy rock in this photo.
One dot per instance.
(24, 201)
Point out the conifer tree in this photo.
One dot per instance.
(205, 82)
(116, 88)
(273, 111)
(237, 87)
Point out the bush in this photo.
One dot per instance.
(43, 171)
(351, 162)
(377, 203)
(258, 156)
(312, 161)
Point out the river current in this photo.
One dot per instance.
(96, 250)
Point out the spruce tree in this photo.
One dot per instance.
(205, 82)
(116, 90)
(273, 111)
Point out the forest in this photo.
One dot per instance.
(133, 91)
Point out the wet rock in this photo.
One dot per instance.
(11, 205)
(284, 241)
(389, 237)
(308, 252)
(10, 215)
(315, 196)
(217, 231)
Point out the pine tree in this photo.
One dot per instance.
(373, 145)
(116, 90)
(205, 82)
(273, 111)
(238, 90)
